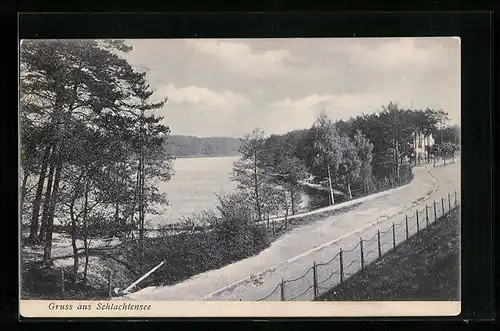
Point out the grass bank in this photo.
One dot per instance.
(424, 268)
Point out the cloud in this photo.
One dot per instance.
(394, 53)
(288, 114)
(307, 102)
(203, 98)
(204, 79)
(240, 57)
(342, 104)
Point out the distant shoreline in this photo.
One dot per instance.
(204, 156)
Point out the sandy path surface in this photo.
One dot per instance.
(291, 255)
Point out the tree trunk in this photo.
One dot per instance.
(396, 158)
(400, 167)
(330, 183)
(135, 203)
(143, 195)
(256, 189)
(349, 189)
(138, 202)
(141, 219)
(50, 221)
(286, 212)
(292, 201)
(73, 243)
(73, 229)
(85, 232)
(46, 201)
(86, 267)
(23, 191)
(118, 224)
(38, 196)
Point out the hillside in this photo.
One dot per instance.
(190, 146)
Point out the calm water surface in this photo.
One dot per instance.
(193, 186)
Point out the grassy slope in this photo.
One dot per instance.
(426, 267)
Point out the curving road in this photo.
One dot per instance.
(293, 254)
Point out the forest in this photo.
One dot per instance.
(341, 156)
(91, 144)
(189, 146)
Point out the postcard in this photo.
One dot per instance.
(294, 177)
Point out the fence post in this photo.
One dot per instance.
(341, 255)
(449, 202)
(442, 205)
(406, 223)
(282, 290)
(379, 248)
(62, 283)
(426, 215)
(455, 197)
(315, 282)
(393, 235)
(109, 283)
(362, 254)
(418, 224)
(435, 211)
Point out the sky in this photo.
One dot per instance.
(228, 87)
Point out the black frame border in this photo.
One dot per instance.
(474, 29)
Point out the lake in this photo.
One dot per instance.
(193, 186)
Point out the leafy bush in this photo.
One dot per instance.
(231, 236)
(236, 231)
(444, 150)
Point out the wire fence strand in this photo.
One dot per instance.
(298, 278)
(329, 277)
(298, 296)
(326, 263)
(272, 292)
(352, 249)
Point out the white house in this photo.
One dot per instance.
(420, 142)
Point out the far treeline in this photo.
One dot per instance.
(189, 146)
